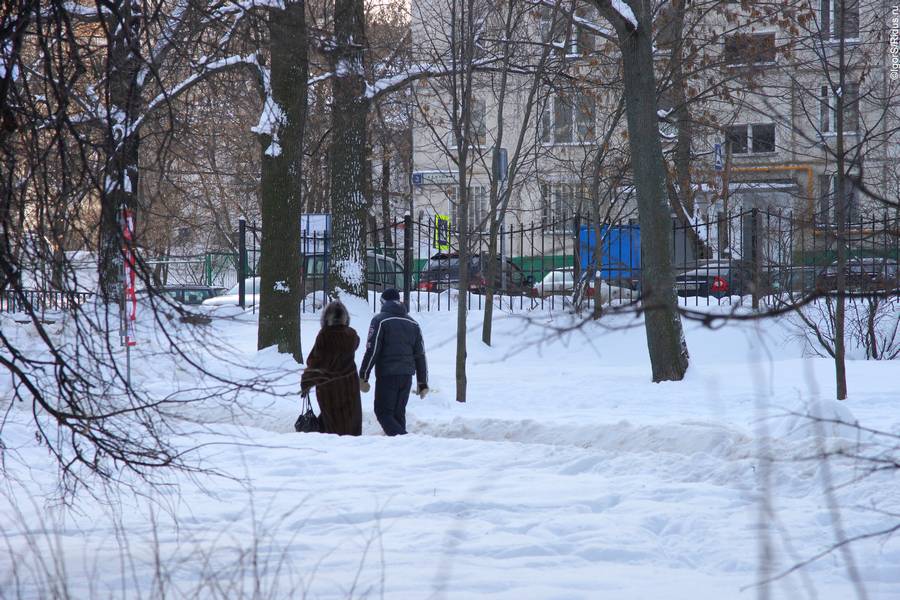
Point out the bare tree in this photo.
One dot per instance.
(349, 165)
(632, 22)
(282, 138)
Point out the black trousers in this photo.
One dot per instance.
(391, 396)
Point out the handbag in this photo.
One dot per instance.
(307, 422)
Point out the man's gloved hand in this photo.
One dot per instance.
(364, 386)
(422, 390)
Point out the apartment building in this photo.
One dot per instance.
(762, 96)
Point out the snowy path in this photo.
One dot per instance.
(567, 475)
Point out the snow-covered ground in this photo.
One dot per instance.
(566, 475)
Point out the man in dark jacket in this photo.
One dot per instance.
(396, 351)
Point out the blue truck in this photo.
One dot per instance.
(620, 254)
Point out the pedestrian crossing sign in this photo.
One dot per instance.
(441, 232)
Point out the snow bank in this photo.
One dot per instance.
(567, 474)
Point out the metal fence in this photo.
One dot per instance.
(217, 269)
(753, 256)
(40, 301)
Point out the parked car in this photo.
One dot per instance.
(382, 272)
(620, 274)
(719, 278)
(862, 275)
(793, 279)
(556, 282)
(442, 273)
(251, 294)
(191, 294)
(588, 285)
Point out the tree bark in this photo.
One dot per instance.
(462, 42)
(120, 183)
(386, 196)
(840, 214)
(348, 150)
(662, 322)
(280, 205)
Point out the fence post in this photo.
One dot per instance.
(242, 261)
(576, 253)
(407, 258)
(754, 254)
(208, 265)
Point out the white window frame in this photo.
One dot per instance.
(479, 126)
(750, 127)
(831, 34)
(477, 209)
(829, 196)
(547, 123)
(828, 98)
(570, 46)
(558, 204)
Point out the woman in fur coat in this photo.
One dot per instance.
(331, 369)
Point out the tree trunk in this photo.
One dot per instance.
(662, 322)
(120, 183)
(348, 150)
(386, 197)
(280, 206)
(840, 214)
(462, 131)
(681, 113)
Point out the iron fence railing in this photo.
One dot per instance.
(752, 256)
(40, 301)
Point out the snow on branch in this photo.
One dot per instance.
(386, 85)
(624, 11)
(393, 83)
(83, 11)
(580, 22)
(272, 116)
(203, 72)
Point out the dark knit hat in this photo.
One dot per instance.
(390, 294)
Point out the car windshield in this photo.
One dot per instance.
(442, 262)
(251, 285)
(557, 276)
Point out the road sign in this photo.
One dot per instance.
(501, 164)
(719, 160)
(420, 178)
(441, 232)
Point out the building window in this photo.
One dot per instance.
(583, 38)
(839, 19)
(828, 109)
(751, 139)
(749, 49)
(478, 131)
(477, 207)
(736, 136)
(562, 120)
(828, 196)
(565, 121)
(763, 138)
(479, 122)
(567, 37)
(559, 203)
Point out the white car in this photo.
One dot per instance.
(231, 297)
(608, 293)
(558, 281)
